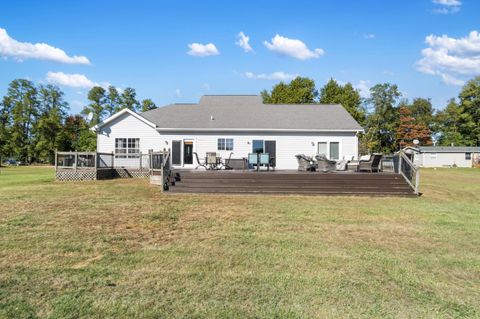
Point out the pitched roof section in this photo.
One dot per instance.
(247, 112)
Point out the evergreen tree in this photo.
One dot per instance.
(5, 127)
(21, 101)
(97, 106)
(128, 100)
(148, 105)
(113, 100)
(53, 110)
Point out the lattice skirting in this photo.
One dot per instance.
(128, 173)
(92, 174)
(75, 175)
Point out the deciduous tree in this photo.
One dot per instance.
(347, 96)
(299, 91)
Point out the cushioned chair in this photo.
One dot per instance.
(305, 163)
(324, 164)
(372, 164)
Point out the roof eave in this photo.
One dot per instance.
(361, 130)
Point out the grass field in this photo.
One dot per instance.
(122, 249)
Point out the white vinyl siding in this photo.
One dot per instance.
(288, 144)
(444, 160)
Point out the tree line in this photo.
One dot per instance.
(390, 121)
(35, 119)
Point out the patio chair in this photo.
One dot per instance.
(199, 164)
(342, 165)
(252, 160)
(372, 164)
(324, 164)
(265, 160)
(211, 160)
(305, 163)
(227, 162)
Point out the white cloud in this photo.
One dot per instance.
(178, 93)
(202, 50)
(448, 2)
(20, 51)
(447, 6)
(293, 48)
(369, 36)
(71, 80)
(282, 76)
(453, 60)
(243, 42)
(206, 86)
(363, 87)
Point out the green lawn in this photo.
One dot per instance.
(122, 249)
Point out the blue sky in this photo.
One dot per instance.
(145, 45)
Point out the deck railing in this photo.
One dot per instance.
(409, 171)
(83, 160)
(160, 165)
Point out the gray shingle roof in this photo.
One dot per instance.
(249, 112)
(449, 149)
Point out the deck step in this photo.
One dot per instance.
(346, 184)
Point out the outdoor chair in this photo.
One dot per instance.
(324, 164)
(264, 160)
(199, 164)
(227, 162)
(211, 160)
(305, 163)
(341, 165)
(371, 165)
(252, 160)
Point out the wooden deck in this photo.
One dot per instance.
(292, 182)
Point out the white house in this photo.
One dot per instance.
(241, 124)
(444, 156)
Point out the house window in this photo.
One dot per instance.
(322, 149)
(468, 156)
(257, 146)
(225, 144)
(334, 150)
(433, 155)
(127, 147)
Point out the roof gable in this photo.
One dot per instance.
(118, 115)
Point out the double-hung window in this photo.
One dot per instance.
(127, 147)
(225, 144)
(468, 156)
(330, 150)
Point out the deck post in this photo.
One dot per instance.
(76, 159)
(140, 160)
(56, 160)
(417, 180)
(113, 156)
(96, 159)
